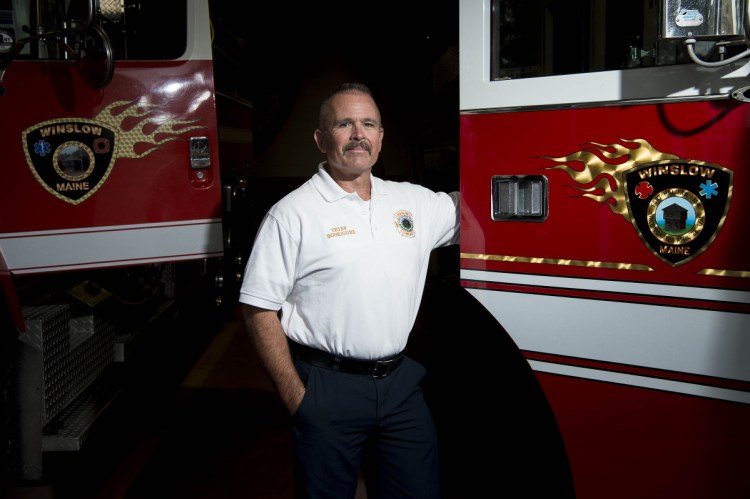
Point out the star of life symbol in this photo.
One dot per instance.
(677, 206)
(70, 158)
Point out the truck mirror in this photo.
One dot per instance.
(96, 62)
(723, 22)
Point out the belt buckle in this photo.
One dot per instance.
(382, 368)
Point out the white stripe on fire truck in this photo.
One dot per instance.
(601, 285)
(642, 381)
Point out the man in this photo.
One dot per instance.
(331, 291)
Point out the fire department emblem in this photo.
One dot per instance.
(404, 222)
(71, 158)
(678, 206)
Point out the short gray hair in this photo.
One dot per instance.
(343, 88)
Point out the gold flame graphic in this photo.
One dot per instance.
(145, 128)
(603, 168)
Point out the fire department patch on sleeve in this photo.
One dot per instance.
(677, 206)
(70, 158)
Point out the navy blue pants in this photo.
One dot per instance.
(348, 422)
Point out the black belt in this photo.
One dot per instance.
(375, 368)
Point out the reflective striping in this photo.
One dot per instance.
(27, 253)
(639, 288)
(642, 381)
(684, 340)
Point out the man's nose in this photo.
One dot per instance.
(358, 131)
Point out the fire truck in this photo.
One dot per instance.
(115, 225)
(603, 160)
(602, 154)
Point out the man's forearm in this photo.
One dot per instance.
(270, 344)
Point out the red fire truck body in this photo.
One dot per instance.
(136, 198)
(112, 214)
(604, 227)
(602, 202)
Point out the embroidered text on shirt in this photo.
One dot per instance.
(340, 231)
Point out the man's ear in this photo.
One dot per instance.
(320, 140)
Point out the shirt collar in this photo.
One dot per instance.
(331, 191)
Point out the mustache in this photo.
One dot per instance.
(361, 143)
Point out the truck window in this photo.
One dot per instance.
(532, 38)
(145, 30)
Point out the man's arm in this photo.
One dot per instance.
(270, 343)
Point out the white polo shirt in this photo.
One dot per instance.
(347, 274)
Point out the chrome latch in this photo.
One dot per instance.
(200, 153)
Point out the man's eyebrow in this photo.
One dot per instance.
(352, 120)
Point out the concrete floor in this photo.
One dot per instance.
(225, 434)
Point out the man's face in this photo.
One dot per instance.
(353, 136)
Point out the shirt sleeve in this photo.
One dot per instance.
(270, 270)
(448, 212)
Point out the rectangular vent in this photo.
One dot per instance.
(519, 197)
